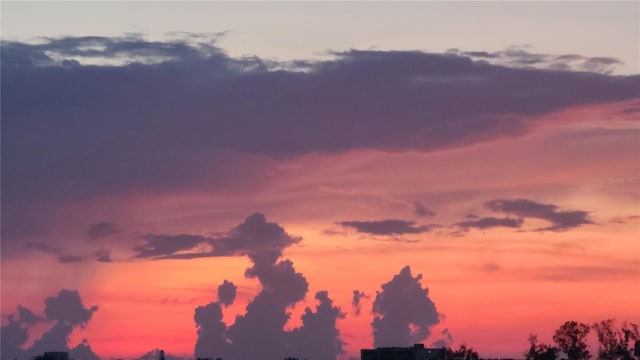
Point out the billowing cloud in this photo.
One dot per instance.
(68, 308)
(212, 331)
(227, 293)
(490, 222)
(560, 219)
(101, 230)
(255, 237)
(356, 302)
(157, 121)
(66, 311)
(388, 227)
(419, 209)
(259, 332)
(403, 311)
(319, 337)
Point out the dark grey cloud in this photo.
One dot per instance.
(259, 333)
(101, 230)
(356, 303)
(419, 209)
(66, 311)
(387, 227)
(319, 337)
(403, 311)
(227, 293)
(560, 220)
(68, 308)
(26, 316)
(212, 331)
(490, 222)
(13, 336)
(154, 123)
(261, 240)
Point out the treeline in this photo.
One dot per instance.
(615, 342)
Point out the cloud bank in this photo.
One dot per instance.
(182, 113)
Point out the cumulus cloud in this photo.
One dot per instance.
(68, 308)
(388, 227)
(259, 332)
(319, 337)
(101, 230)
(227, 293)
(560, 220)
(155, 122)
(403, 311)
(212, 331)
(445, 341)
(66, 311)
(356, 303)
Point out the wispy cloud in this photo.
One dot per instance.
(560, 219)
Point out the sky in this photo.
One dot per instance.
(257, 180)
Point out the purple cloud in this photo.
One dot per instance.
(560, 220)
(387, 227)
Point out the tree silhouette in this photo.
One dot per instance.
(462, 353)
(540, 351)
(617, 343)
(571, 338)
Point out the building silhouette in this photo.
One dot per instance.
(415, 352)
(53, 355)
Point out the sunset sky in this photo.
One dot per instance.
(259, 179)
